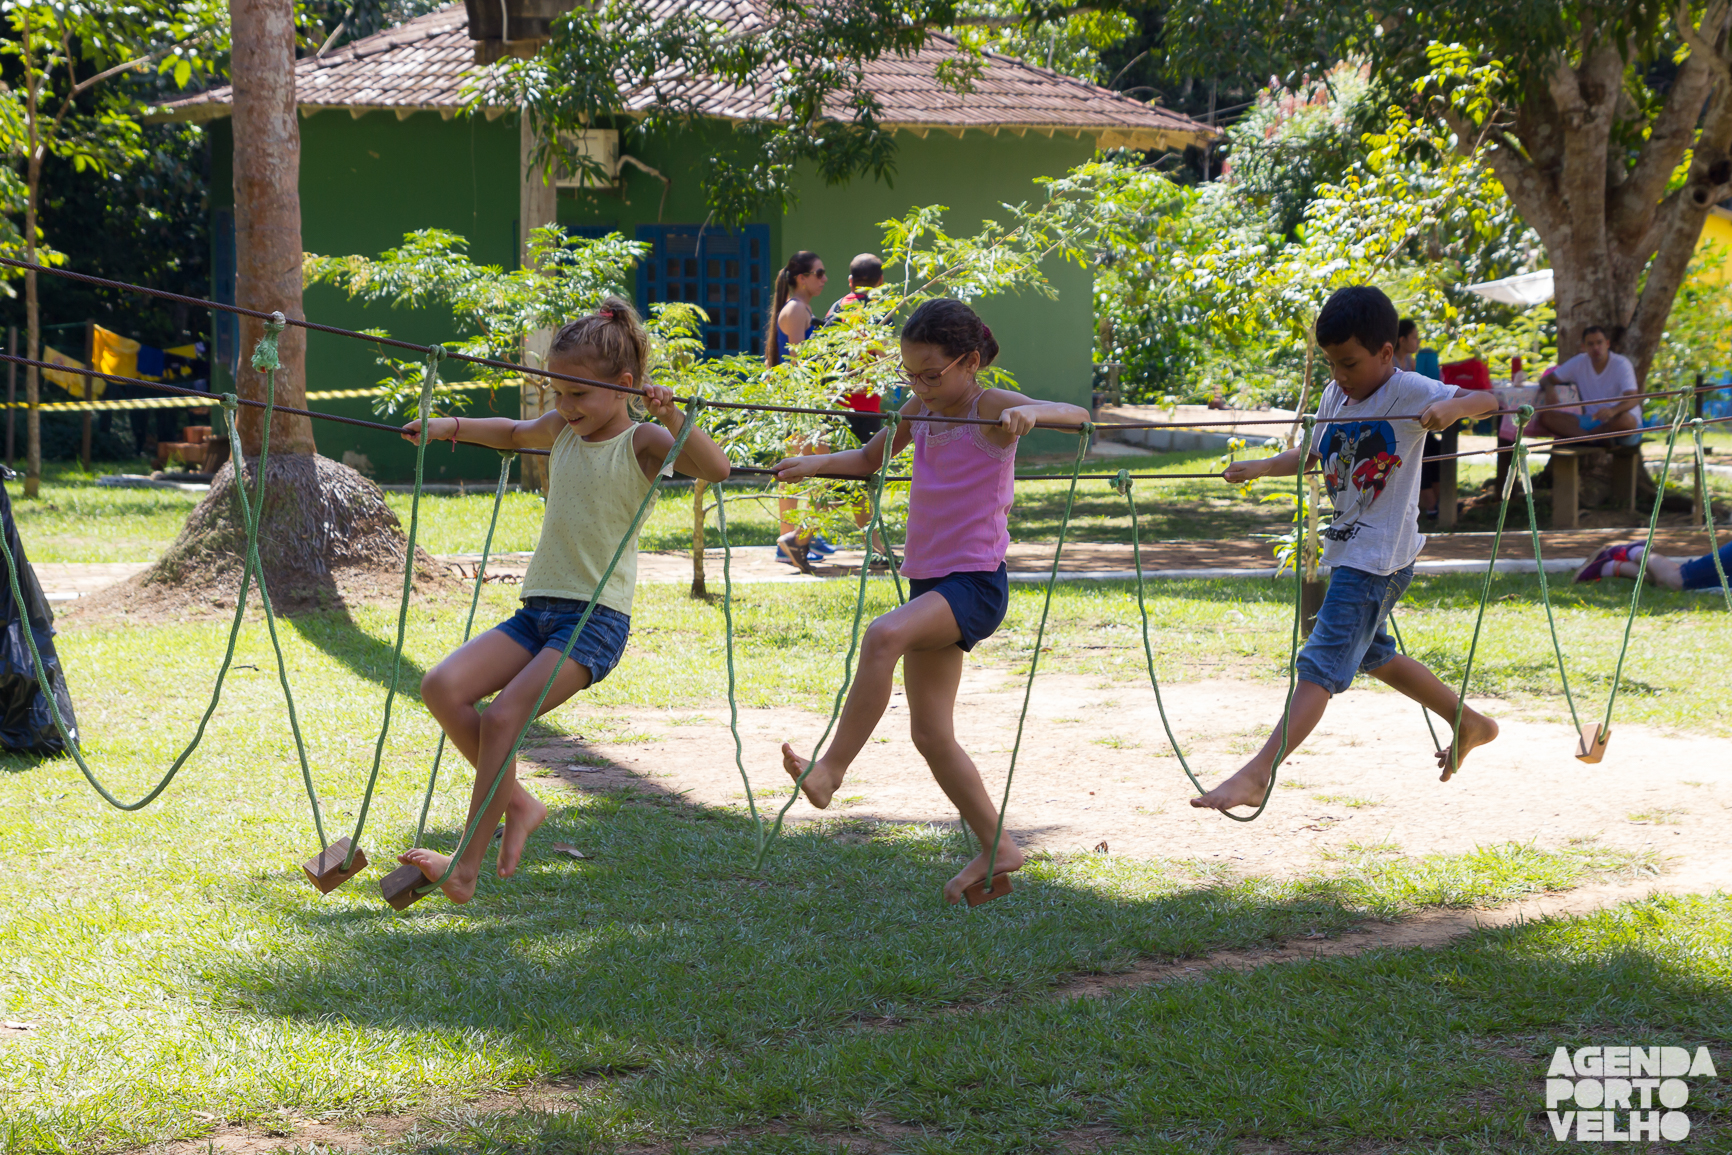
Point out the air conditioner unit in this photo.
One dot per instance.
(601, 147)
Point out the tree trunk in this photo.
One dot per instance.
(267, 166)
(1605, 215)
(698, 487)
(326, 535)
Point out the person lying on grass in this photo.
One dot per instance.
(603, 463)
(1370, 460)
(1697, 573)
(958, 532)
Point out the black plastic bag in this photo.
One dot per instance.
(26, 725)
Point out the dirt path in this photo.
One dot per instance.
(1096, 768)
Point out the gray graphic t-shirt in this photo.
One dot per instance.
(1371, 467)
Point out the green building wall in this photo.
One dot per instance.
(367, 181)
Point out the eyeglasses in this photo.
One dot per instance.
(931, 377)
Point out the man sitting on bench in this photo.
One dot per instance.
(1604, 381)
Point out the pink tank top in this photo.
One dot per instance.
(959, 506)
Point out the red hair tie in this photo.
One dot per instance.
(604, 314)
(987, 330)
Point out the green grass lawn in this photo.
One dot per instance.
(178, 971)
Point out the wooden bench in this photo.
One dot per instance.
(1567, 481)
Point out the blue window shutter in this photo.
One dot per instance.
(724, 273)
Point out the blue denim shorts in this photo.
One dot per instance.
(978, 600)
(546, 624)
(1348, 636)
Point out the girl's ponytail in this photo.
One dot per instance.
(611, 339)
(953, 327)
(798, 266)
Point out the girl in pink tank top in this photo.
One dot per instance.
(958, 513)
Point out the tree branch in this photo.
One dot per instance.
(1699, 47)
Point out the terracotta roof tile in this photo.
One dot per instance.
(423, 65)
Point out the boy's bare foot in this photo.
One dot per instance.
(1476, 731)
(1246, 788)
(459, 888)
(523, 814)
(1010, 857)
(820, 785)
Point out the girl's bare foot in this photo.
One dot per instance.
(459, 888)
(1010, 857)
(1246, 788)
(1476, 731)
(523, 814)
(820, 785)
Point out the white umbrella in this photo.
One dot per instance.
(1524, 290)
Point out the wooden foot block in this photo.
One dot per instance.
(977, 893)
(325, 869)
(398, 887)
(1592, 746)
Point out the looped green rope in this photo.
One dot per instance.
(1123, 485)
(1084, 436)
(1708, 511)
(673, 453)
(1642, 566)
(853, 648)
(423, 408)
(1484, 597)
(733, 681)
(506, 457)
(1519, 466)
(265, 356)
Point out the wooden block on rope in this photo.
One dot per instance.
(1592, 745)
(978, 893)
(398, 887)
(325, 869)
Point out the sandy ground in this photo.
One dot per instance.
(1095, 768)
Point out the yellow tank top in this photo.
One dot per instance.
(594, 490)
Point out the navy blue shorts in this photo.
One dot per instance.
(546, 624)
(1348, 637)
(978, 600)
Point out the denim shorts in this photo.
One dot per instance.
(1348, 636)
(546, 624)
(978, 600)
(1699, 572)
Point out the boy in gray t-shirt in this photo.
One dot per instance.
(1370, 435)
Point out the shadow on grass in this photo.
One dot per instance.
(694, 992)
(338, 635)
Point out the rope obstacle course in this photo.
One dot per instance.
(338, 861)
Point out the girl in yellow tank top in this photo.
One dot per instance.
(601, 466)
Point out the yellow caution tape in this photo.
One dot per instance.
(180, 402)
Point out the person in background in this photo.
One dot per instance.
(1606, 384)
(1698, 573)
(1430, 473)
(865, 273)
(792, 321)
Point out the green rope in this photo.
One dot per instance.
(733, 681)
(429, 380)
(1423, 712)
(1479, 619)
(890, 424)
(1642, 567)
(1084, 436)
(266, 357)
(506, 457)
(265, 352)
(1519, 466)
(643, 509)
(1310, 423)
(1708, 511)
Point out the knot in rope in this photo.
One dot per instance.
(265, 356)
(1122, 483)
(436, 353)
(1524, 414)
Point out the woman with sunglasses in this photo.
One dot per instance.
(792, 321)
(958, 532)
